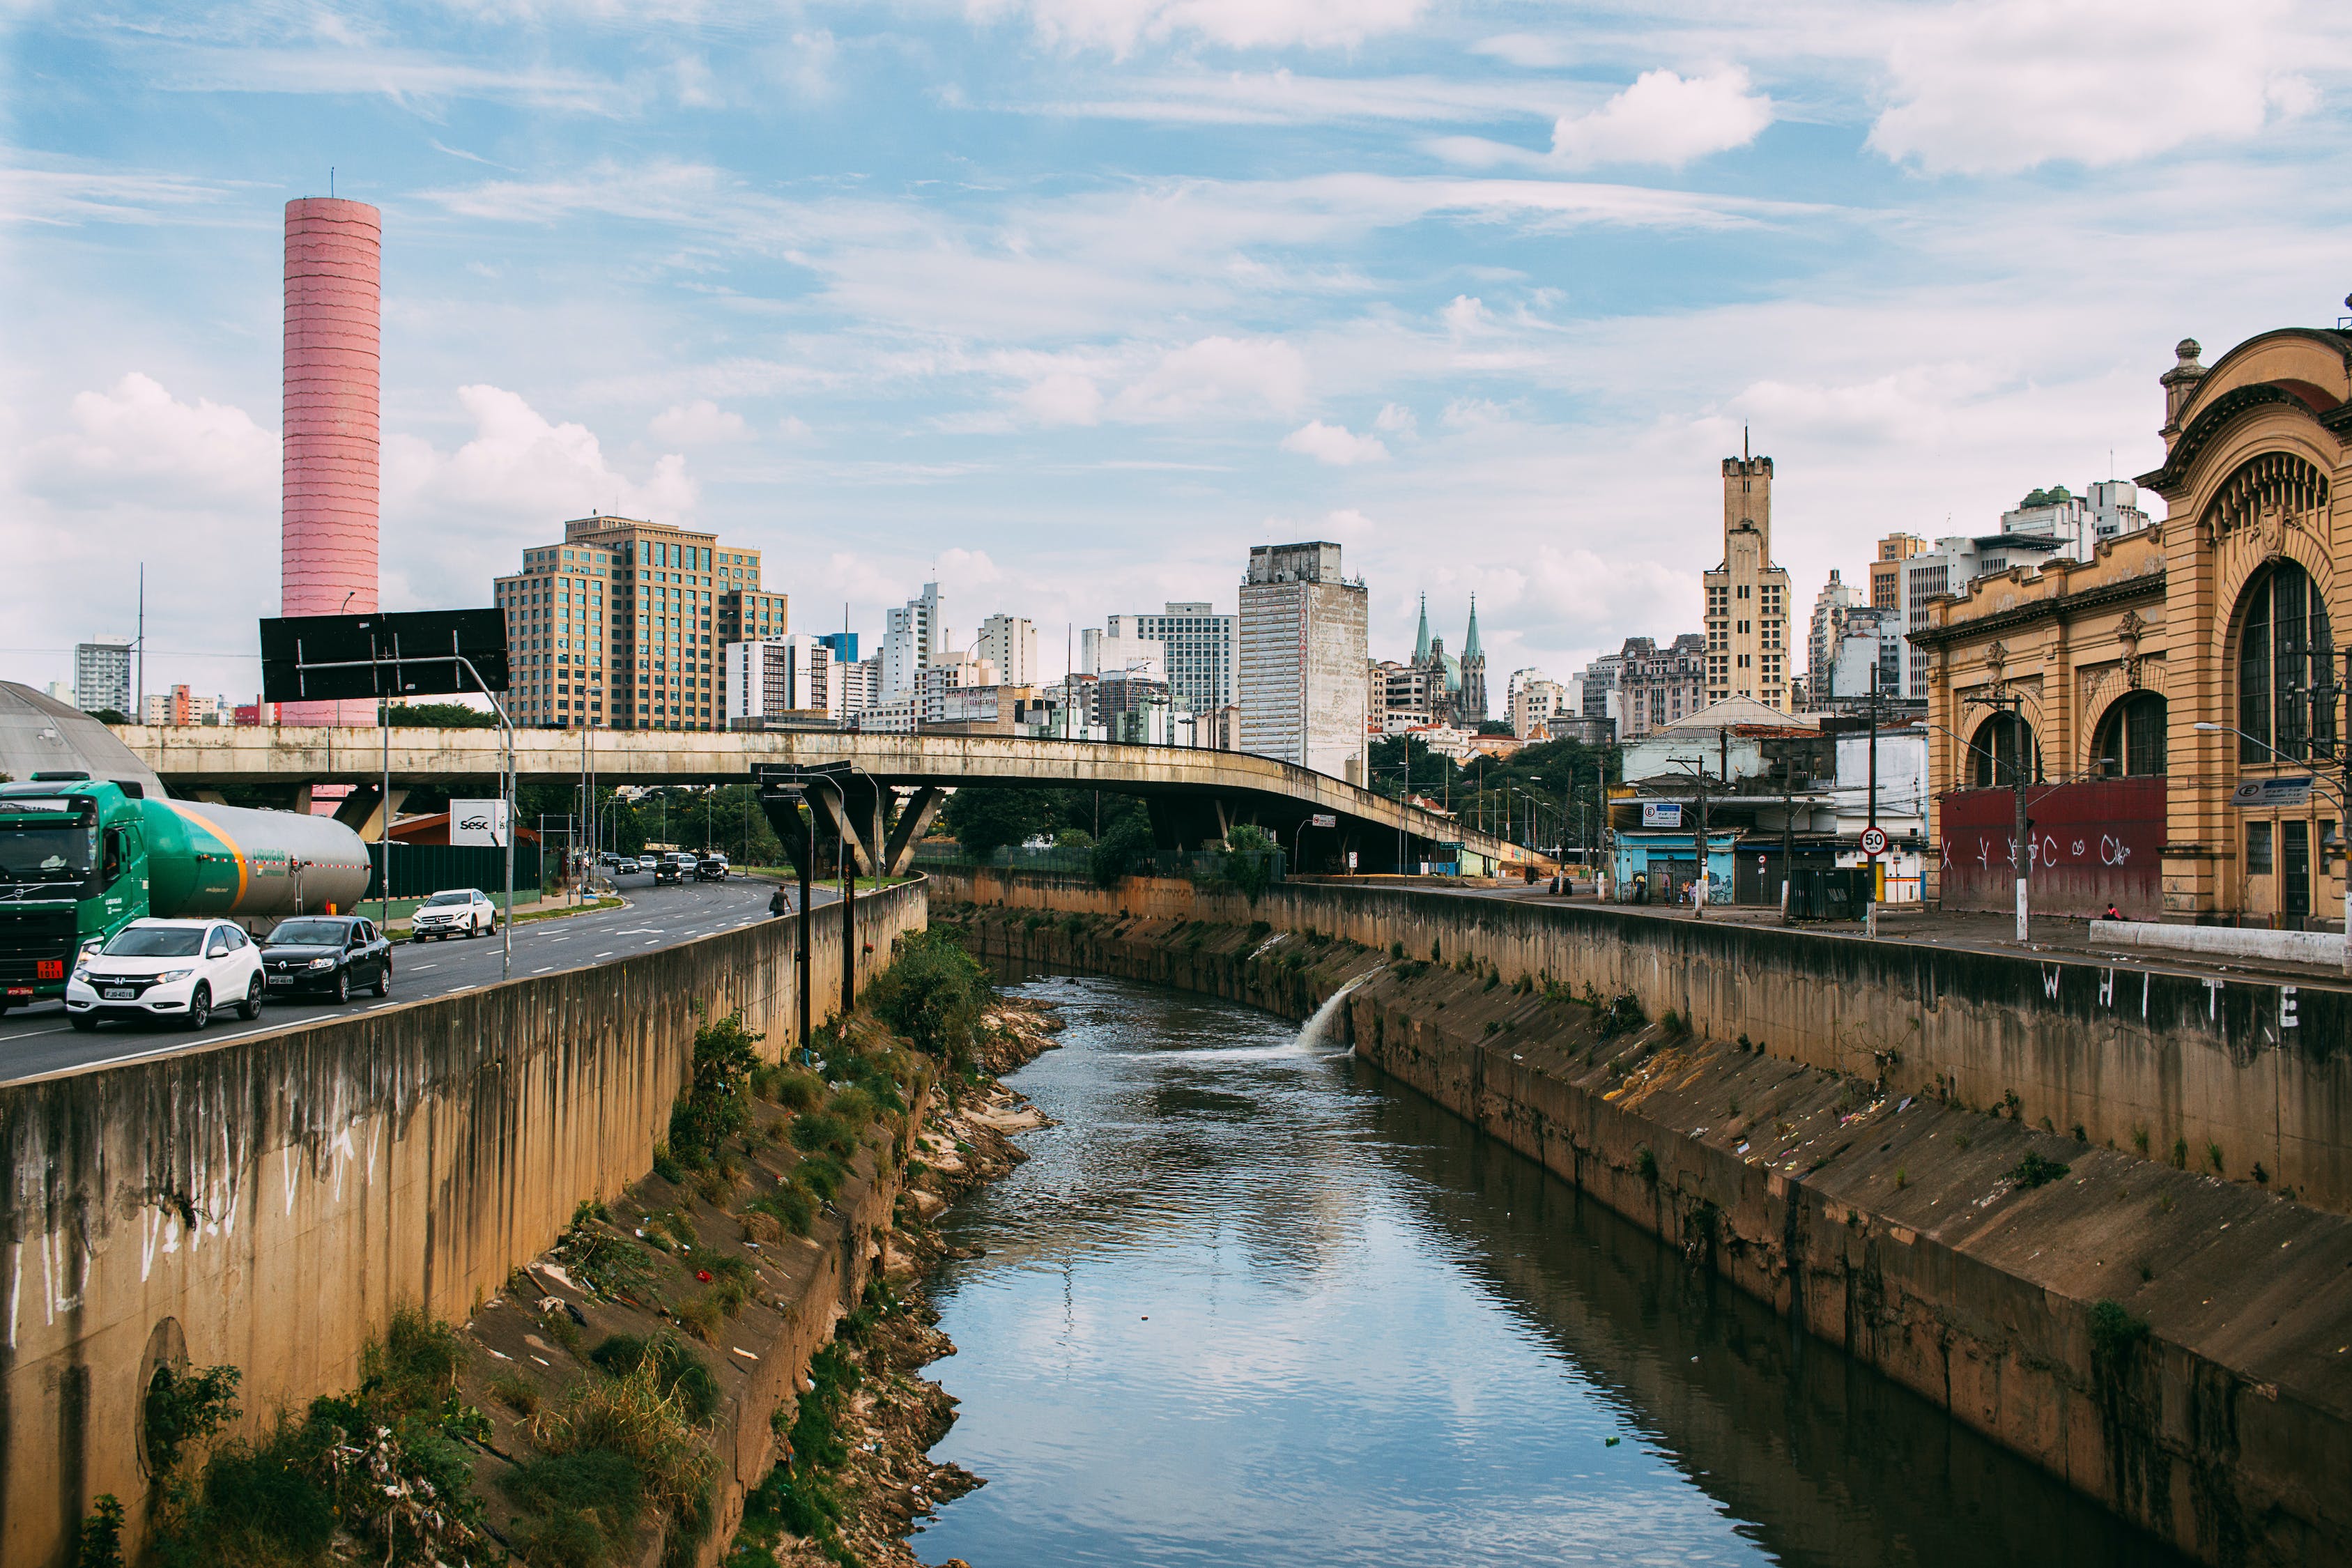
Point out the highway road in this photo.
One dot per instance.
(39, 1040)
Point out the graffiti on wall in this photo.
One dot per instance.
(2090, 845)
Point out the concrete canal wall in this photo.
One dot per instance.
(2168, 1342)
(268, 1202)
(2255, 1075)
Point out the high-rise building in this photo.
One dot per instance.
(329, 465)
(102, 676)
(620, 625)
(1010, 643)
(779, 678)
(843, 646)
(1747, 595)
(860, 682)
(1119, 650)
(1657, 686)
(1535, 700)
(1830, 606)
(1886, 571)
(1301, 659)
(1197, 648)
(911, 640)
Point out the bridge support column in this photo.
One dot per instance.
(852, 821)
(915, 816)
(362, 810)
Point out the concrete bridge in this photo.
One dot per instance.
(1193, 796)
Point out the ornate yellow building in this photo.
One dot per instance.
(2200, 649)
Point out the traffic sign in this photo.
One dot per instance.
(1873, 841)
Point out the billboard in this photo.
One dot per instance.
(411, 653)
(2092, 845)
(477, 822)
(1662, 813)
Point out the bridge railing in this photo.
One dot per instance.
(1197, 865)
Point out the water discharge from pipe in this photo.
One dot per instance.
(1316, 1027)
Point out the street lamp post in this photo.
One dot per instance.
(2340, 796)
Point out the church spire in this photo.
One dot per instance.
(1421, 642)
(1470, 648)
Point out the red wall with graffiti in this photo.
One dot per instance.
(2092, 844)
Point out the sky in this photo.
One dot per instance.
(1067, 303)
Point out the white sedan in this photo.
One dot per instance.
(182, 970)
(461, 911)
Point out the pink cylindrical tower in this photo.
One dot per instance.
(334, 348)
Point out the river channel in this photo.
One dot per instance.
(1249, 1303)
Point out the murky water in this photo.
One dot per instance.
(1250, 1303)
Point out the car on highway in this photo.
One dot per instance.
(455, 911)
(710, 868)
(666, 874)
(645, 863)
(178, 970)
(326, 955)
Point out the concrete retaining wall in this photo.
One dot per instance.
(2161, 1064)
(275, 1198)
(2215, 1412)
(2222, 942)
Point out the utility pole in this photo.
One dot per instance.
(1870, 910)
(1788, 828)
(2022, 854)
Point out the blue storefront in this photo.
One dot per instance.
(1654, 865)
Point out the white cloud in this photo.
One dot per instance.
(1217, 374)
(1064, 398)
(1465, 314)
(792, 427)
(1334, 444)
(138, 439)
(698, 424)
(520, 468)
(1120, 26)
(1396, 419)
(1664, 118)
(1998, 85)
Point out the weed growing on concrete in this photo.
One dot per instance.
(635, 1418)
(1434, 955)
(1646, 1164)
(605, 1264)
(383, 1463)
(935, 994)
(1396, 949)
(516, 1392)
(2080, 1136)
(793, 1207)
(2213, 1157)
(1960, 1141)
(678, 1369)
(822, 1132)
(1675, 1026)
(100, 1541)
(2116, 1334)
(1733, 1109)
(2261, 1177)
(1902, 1178)
(186, 1407)
(794, 1088)
(2181, 1154)
(2033, 1171)
(2009, 1105)
(1622, 1016)
(1494, 978)
(1493, 1026)
(1523, 984)
(2139, 1138)
(2146, 1274)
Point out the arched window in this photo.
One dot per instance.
(1993, 754)
(2286, 680)
(2131, 738)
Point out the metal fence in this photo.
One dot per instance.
(1194, 865)
(419, 869)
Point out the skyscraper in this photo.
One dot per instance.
(620, 625)
(1010, 643)
(329, 467)
(102, 676)
(1302, 659)
(1198, 644)
(911, 641)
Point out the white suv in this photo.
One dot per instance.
(167, 969)
(463, 911)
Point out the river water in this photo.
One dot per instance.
(1252, 1303)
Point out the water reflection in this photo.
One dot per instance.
(1250, 1303)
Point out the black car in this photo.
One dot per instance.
(666, 874)
(326, 955)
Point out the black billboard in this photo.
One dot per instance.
(415, 653)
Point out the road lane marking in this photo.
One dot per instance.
(544, 970)
(606, 954)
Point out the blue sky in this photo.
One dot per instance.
(1077, 300)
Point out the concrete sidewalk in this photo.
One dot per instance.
(2058, 936)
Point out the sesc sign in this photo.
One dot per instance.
(477, 822)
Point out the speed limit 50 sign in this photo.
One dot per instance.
(1873, 841)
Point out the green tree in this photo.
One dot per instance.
(934, 994)
(1123, 850)
(987, 817)
(440, 715)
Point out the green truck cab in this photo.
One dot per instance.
(82, 858)
(73, 871)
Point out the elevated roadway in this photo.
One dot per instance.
(1194, 795)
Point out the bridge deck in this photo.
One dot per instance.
(1238, 785)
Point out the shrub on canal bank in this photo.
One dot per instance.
(935, 996)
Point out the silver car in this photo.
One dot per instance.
(458, 911)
